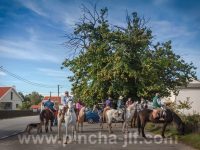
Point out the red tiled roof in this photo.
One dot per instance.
(35, 107)
(3, 90)
(53, 98)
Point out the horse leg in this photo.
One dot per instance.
(110, 128)
(78, 126)
(59, 127)
(134, 121)
(123, 126)
(66, 133)
(163, 130)
(81, 126)
(46, 125)
(51, 124)
(143, 126)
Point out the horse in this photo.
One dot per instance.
(110, 115)
(128, 116)
(145, 116)
(70, 120)
(47, 115)
(81, 118)
(137, 108)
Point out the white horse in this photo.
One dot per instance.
(110, 115)
(70, 120)
(129, 113)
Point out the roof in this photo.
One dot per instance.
(4, 90)
(35, 107)
(56, 99)
(53, 98)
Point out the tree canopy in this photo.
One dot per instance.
(111, 60)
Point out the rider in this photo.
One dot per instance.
(157, 106)
(143, 103)
(79, 105)
(108, 105)
(120, 102)
(129, 102)
(65, 100)
(50, 105)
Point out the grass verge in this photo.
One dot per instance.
(192, 139)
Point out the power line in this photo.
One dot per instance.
(25, 80)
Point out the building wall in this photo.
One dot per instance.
(193, 95)
(16, 100)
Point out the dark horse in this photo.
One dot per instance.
(47, 115)
(145, 116)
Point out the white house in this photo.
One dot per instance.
(191, 93)
(9, 99)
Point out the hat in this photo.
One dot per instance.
(120, 97)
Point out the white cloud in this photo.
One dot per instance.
(26, 50)
(166, 30)
(54, 73)
(2, 73)
(34, 7)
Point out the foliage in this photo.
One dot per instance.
(33, 98)
(111, 60)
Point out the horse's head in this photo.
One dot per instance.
(70, 104)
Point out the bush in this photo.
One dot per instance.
(192, 122)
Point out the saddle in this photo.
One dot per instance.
(158, 113)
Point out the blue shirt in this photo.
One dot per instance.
(49, 105)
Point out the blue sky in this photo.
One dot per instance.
(32, 35)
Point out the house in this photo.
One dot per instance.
(9, 99)
(190, 93)
(55, 99)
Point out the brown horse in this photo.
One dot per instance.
(47, 115)
(145, 116)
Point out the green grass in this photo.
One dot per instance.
(192, 139)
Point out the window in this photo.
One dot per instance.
(17, 105)
(11, 95)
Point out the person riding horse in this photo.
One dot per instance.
(108, 105)
(64, 102)
(157, 107)
(48, 114)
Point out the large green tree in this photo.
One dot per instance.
(114, 60)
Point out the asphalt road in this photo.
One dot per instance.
(91, 138)
(9, 127)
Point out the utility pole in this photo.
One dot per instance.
(58, 90)
(50, 94)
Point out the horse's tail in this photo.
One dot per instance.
(42, 116)
(138, 122)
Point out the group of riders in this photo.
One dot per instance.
(108, 104)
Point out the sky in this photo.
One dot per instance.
(32, 33)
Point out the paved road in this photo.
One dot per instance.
(91, 138)
(15, 125)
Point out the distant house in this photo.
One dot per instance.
(191, 93)
(55, 99)
(9, 99)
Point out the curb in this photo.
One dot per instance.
(13, 134)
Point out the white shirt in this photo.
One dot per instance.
(65, 100)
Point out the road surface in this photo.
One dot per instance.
(13, 126)
(91, 138)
